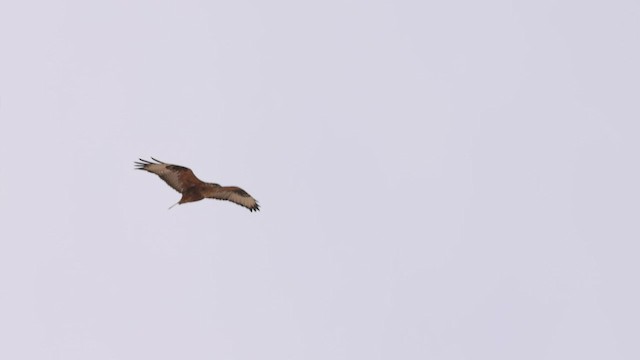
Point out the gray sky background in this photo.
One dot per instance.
(438, 180)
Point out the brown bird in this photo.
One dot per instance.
(192, 189)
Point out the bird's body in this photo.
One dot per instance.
(193, 189)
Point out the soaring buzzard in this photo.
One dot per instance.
(192, 189)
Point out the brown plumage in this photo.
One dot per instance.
(192, 189)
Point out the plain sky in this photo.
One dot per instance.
(438, 180)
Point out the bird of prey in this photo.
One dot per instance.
(192, 189)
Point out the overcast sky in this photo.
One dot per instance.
(438, 180)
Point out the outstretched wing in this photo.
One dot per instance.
(178, 177)
(233, 194)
